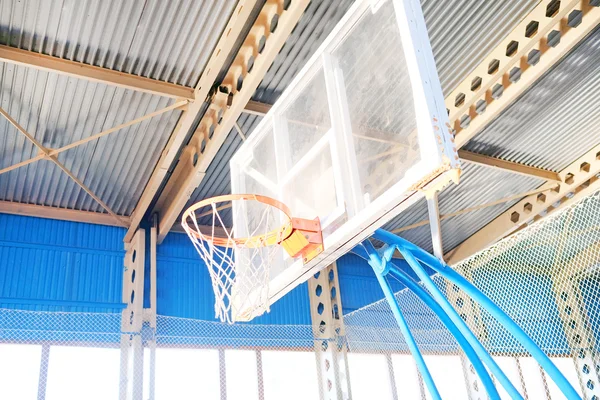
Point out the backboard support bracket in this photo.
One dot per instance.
(306, 239)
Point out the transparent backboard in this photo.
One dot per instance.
(359, 135)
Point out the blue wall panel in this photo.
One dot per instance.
(51, 265)
(65, 262)
(184, 288)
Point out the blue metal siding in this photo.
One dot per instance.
(184, 288)
(50, 265)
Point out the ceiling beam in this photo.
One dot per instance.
(92, 73)
(227, 106)
(435, 226)
(54, 152)
(209, 75)
(257, 108)
(64, 214)
(579, 179)
(60, 165)
(88, 217)
(529, 51)
(508, 166)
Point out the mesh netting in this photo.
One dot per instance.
(71, 355)
(238, 241)
(546, 277)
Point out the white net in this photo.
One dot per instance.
(238, 255)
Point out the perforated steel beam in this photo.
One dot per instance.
(266, 38)
(132, 351)
(226, 44)
(543, 37)
(92, 73)
(574, 317)
(579, 180)
(329, 334)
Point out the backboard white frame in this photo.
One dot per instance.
(437, 151)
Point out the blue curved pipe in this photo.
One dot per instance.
(374, 261)
(464, 344)
(446, 320)
(454, 277)
(462, 326)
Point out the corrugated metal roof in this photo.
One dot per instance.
(462, 33)
(555, 121)
(164, 40)
(478, 185)
(58, 110)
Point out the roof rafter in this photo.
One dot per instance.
(579, 180)
(261, 46)
(65, 214)
(60, 165)
(97, 74)
(508, 166)
(226, 44)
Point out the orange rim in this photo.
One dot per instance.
(270, 238)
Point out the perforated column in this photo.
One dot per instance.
(132, 352)
(329, 335)
(471, 314)
(576, 325)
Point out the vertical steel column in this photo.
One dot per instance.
(132, 351)
(43, 377)
(150, 314)
(471, 314)
(435, 226)
(259, 376)
(222, 375)
(390, 364)
(329, 335)
(581, 339)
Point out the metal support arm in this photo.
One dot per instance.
(419, 254)
(378, 267)
(368, 253)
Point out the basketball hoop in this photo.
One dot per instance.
(238, 237)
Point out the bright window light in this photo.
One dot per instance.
(567, 367)
(75, 373)
(447, 373)
(406, 377)
(509, 366)
(290, 375)
(241, 373)
(19, 371)
(369, 377)
(532, 376)
(187, 373)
